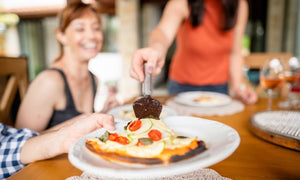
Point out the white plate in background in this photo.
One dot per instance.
(216, 99)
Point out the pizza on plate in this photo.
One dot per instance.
(146, 141)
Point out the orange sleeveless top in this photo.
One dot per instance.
(202, 53)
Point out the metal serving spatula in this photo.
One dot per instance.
(146, 106)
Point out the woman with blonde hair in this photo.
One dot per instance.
(67, 89)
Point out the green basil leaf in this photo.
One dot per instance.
(146, 141)
(104, 137)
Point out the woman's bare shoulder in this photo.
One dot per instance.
(48, 79)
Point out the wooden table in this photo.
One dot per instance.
(253, 159)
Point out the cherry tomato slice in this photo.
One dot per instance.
(155, 135)
(122, 140)
(113, 136)
(139, 143)
(135, 125)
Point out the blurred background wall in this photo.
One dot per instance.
(273, 26)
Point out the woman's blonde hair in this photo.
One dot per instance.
(72, 11)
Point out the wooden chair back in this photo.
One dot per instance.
(256, 61)
(14, 79)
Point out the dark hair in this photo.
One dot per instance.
(229, 13)
(73, 10)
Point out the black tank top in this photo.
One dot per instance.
(70, 111)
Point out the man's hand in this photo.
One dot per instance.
(55, 142)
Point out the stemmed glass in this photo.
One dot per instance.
(290, 66)
(271, 77)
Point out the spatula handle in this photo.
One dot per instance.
(147, 90)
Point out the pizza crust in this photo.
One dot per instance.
(165, 158)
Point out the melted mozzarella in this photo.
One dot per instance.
(146, 151)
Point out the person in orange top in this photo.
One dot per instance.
(209, 45)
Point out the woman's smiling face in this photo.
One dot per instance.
(84, 36)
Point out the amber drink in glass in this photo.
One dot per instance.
(290, 66)
(271, 77)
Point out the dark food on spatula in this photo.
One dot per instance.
(147, 107)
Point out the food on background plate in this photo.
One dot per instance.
(145, 141)
(207, 99)
(202, 99)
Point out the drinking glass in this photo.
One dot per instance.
(290, 66)
(271, 77)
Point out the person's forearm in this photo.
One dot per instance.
(56, 142)
(65, 123)
(159, 42)
(236, 66)
(236, 57)
(41, 147)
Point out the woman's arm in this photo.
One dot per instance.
(236, 58)
(160, 40)
(41, 98)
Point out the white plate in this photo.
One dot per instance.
(187, 98)
(221, 141)
(117, 112)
